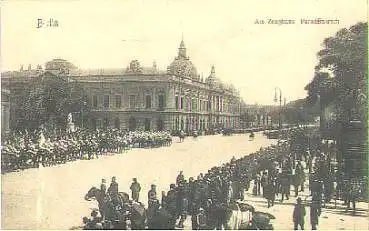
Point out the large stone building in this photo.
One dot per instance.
(146, 98)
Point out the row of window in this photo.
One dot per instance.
(132, 100)
(202, 106)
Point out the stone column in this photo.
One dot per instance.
(171, 96)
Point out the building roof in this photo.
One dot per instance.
(115, 71)
(182, 66)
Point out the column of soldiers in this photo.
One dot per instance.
(207, 197)
(273, 170)
(32, 149)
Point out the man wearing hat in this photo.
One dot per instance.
(151, 195)
(299, 214)
(171, 200)
(103, 187)
(201, 219)
(314, 214)
(135, 188)
(113, 190)
(180, 178)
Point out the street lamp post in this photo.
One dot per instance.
(83, 107)
(280, 105)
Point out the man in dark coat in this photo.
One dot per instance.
(151, 195)
(180, 178)
(201, 219)
(171, 200)
(103, 187)
(183, 212)
(113, 191)
(299, 213)
(264, 182)
(270, 193)
(285, 185)
(135, 188)
(314, 214)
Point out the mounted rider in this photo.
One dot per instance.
(103, 187)
(113, 191)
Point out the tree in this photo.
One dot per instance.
(49, 101)
(344, 87)
(346, 56)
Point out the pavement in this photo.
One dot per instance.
(333, 216)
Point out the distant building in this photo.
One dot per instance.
(254, 115)
(146, 98)
(5, 110)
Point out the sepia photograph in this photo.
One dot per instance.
(184, 115)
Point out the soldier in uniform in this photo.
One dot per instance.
(183, 212)
(353, 194)
(201, 220)
(285, 185)
(171, 200)
(314, 214)
(258, 184)
(113, 191)
(180, 178)
(270, 193)
(135, 188)
(151, 195)
(299, 213)
(301, 175)
(103, 187)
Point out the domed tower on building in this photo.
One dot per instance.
(182, 66)
(212, 79)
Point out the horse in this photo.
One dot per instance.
(158, 218)
(95, 193)
(238, 215)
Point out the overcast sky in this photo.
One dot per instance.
(255, 58)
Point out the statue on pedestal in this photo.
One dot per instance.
(70, 125)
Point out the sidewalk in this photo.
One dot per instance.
(331, 218)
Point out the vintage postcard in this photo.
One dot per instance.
(194, 114)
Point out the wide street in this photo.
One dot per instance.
(52, 197)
